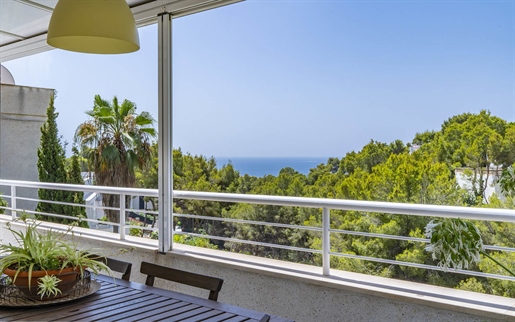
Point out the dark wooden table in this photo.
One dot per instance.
(119, 300)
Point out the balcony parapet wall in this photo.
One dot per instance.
(301, 292)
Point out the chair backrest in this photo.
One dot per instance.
(213, 284)
(265, 318)
(116, 265)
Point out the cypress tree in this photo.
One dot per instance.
(51, 168)
(76, 197)
(51, 158)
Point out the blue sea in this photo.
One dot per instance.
(260, 167)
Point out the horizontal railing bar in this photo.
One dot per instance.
(364, 234)
(48, 214)
(54, 202)
(86, 205)
(489, 214)
(373, 259)
(500, 248)
(74, 218)
(78, 187)
(141, 227)
(252, 222)
(63, 216)
(311, 228)
(251, 242)
(87, 220)
(407, 238)
(423, 266)
(153, 212)
(66, 203)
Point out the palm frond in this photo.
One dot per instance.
(108, 119)
(98, 101)
(127, 108)
(144, 119)
(150, 131)
(111, 154)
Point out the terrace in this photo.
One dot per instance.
(314, 292)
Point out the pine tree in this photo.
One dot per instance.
(50, 165)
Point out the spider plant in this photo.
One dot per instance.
(39, 249)
(47, 286)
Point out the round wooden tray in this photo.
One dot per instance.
(10, 296)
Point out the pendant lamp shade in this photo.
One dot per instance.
(93, 26)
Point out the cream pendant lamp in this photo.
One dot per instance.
(93, 26)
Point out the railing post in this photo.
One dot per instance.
(122, 216)
(165, 115)
(13, 202)
(326, 242)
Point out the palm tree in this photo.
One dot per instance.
(115, 141)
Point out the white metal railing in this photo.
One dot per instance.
(487, 214)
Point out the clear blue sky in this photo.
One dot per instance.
(302, 78)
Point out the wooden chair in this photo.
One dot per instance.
(116, 265)
(213, 284)
(265, 318)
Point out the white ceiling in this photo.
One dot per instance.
(24, 23)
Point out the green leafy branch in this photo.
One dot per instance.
(457, 244)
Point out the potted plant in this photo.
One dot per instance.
(43, 263)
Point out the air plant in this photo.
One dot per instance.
(457, 244)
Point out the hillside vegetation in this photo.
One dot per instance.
(480, 143)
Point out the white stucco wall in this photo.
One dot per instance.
(22, 113)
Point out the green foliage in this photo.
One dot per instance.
(39, 249)
(47, 286)
(193, 241)
(500, 287)
(475, 141)
(51, 168)
(147, 176)
(471, 284)
(455, 243)
(507, 181)
(458, 244)
(51, 160)
(134, 230)
(378, 172)
(115, 141)
(3, 203)
(372, 154)
(76, 197)
(424, 137)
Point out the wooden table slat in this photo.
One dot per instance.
(147, 307)
(125, 308)
(191, 313)
(168, 314)
(72, 308)
(203, 316)
(120, 300)
(149, 314)
(221, 317)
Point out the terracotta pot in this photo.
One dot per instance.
(68, 276)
